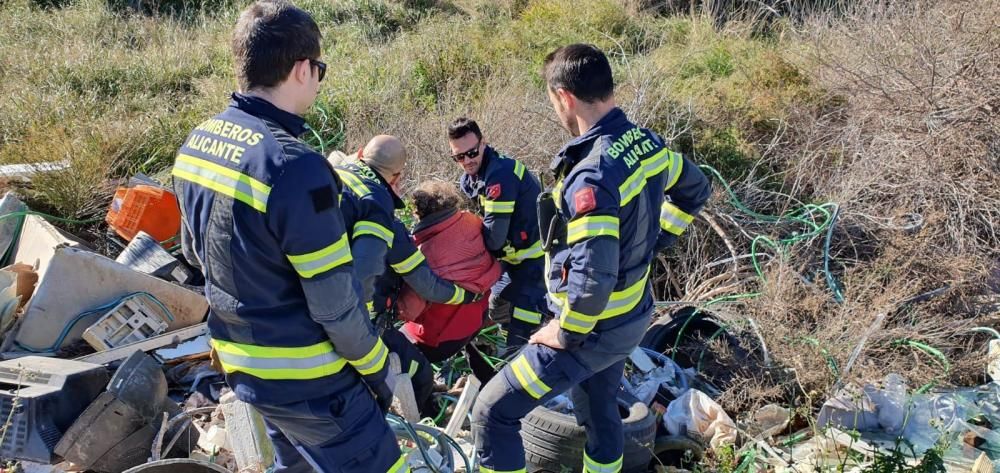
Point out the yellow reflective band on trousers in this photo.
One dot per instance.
(373, 361)
(520, 256)
(592, 466)
(528, 379)
(353, 182)
(223, 180)
(528, 316)
(311, 264)
(367, 227)
(673, 219)
(483, 469)
(590, 226)
(620, 303)
(409, 264)
(277, 363)
(400, 466)
(519, 170)
(458, 297)
(497, 206)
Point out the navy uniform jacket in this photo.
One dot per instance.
(625, 196)
(507, 193)
(378, 238)
(262, 220)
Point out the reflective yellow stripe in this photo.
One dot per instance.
(409, 264)
(676, 166)
(592, 466)
(519, 256)
(311, 264)
(223, 180)
(353, 182)
(374, 360)
(308, 362)
(528, 379)
(400, 466)
(498, 207)
(519, 170)
(619, 303)
(528, 316)
(590, 226)
(673, 219)
(458, 297)
(367, 227)
(414, 367)
(632, 186)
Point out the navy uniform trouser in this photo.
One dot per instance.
(591, 373)
(517, 300)
(344, 431)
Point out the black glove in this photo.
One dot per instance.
(383, 395)
(471, 297)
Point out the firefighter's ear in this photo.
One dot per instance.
(566, 99)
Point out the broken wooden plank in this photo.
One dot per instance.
(161, 341)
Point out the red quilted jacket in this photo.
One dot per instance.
(455, 250)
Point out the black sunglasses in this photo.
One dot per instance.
(470, 154)
(319, 65)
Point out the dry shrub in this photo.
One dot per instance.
(907, 133)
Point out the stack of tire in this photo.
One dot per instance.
(554, 443)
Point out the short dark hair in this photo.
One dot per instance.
(463, 126)
(582, 69)
(270, 37)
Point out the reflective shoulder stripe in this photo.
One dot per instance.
(528, 379)
(223, 180)
(676, 166)
(458, 297)
(519, 170)
(414, 367)
(673, 219)
(409, 264)
(528, 316)
(311, 264)
(353, 182)
(520, 256)
(276, 363)
(592, 466)
(374, 361)
(590, 226)
(498, 207)
(367, 227)
(632, 186)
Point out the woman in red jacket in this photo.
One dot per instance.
(452, 241)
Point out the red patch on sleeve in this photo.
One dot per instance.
(493, 192)
(584, 200)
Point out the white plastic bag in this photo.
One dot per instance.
(696, 413)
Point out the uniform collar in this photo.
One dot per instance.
(396, 201)
(567, 158)
(259, 107)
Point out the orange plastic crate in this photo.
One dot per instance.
(147, 208)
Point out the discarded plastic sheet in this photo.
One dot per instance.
(135, 318)
(80, 281)
(194, 348)
(695, 413)
(24, 172)
(772, 419)
(850, 409)
(39, 242)
(146, 255)
(161, 341)
(993, 360)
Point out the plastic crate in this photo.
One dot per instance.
(134, 319)
(145, 208)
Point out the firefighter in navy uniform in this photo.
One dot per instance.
(262, 220)
(506, 193)
(379, 239)
(600, 231)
